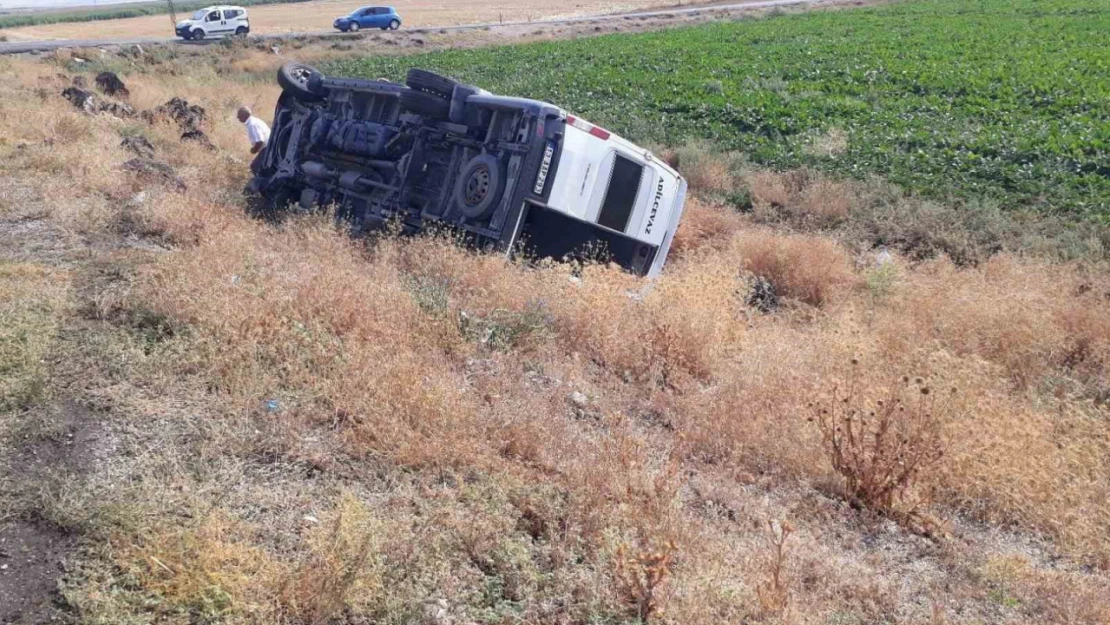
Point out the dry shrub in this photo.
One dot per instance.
(1013, 457)
(770, 189)
(603, 313)
(802, 197)
(681, 327)
(703, 225)
(214, 570)
(614, 318)
(645, 490)
(809, 269)
(341, 570)
(698, 316)
(825, 202)
(1048, 596)
(625, 482)
(1030, 466)
(773, 593)
(184, 220)
(881, 439)
(639, 576)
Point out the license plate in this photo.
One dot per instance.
(545, 166)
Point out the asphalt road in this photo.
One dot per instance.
(22, 47)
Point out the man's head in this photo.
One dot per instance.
(244, 114)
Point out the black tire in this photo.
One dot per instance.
(241, 31)
(479, 187)
(457, 114)
(429, 82)
(354, 27)
(425, 104)
(394, 25)
(197, 35)
(300, 81)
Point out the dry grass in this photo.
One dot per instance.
(381, 430)
(32, 301)
(804, 197)
(809, 269)
(1036, 320)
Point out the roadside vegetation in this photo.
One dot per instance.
(94, 14)
(1007, 107)
(844, 402)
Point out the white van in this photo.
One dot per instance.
(514, 174)
(217, 21)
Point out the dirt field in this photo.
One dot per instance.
(313, 16)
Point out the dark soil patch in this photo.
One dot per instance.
(67, 442)
(33, 552)
(32, 559)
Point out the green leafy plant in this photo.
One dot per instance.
(993, 99)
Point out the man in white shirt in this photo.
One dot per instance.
(257, 132)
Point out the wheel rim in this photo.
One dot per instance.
(198, 34)
(394, 25)
(477, 186)
(354, 27)
(301, 75)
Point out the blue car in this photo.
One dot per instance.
(369, 17)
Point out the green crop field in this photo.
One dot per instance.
(1003, 100)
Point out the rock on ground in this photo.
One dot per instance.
(110, 84)
(579, 399)
(188, 116)
(197, 135)
(80, 98)
(91, 104)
